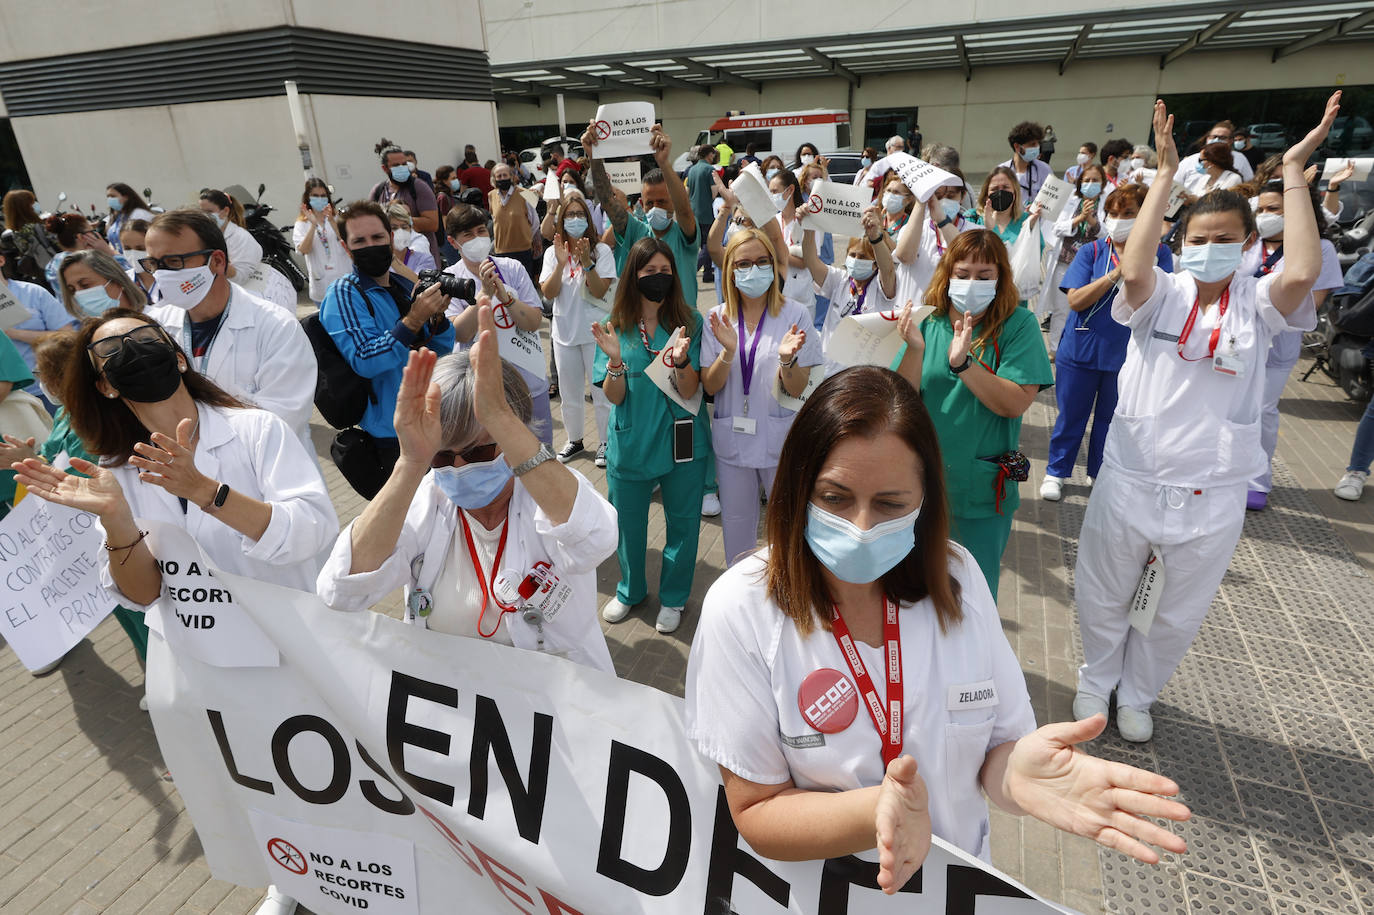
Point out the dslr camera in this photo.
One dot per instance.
(449, 285)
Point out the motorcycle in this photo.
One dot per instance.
(1343, 342)
(276, 249)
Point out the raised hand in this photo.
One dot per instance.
(1301, 151)
(418, 429)
(872, 222)
(963, 341)
(488, 390)
(1342, 175)
(589, 135)
(607, 340)
(97, 492)
(560, 250)
(1054, 781)
(791, 344)
(902, 822)
(662, 146)
(1164, 137)
(909, 328)
(582, 250)
(171, 463)
(487, 273)
(678, 354)
(725, 332)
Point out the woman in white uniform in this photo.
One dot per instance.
(758, 341)
(1259, 261)
(244, 251)
(865, 614)
(923, 239)
(1078, 224)
(1185, 439)
(490, 536)
(796, 285)
(866, 284)
(126, 205)
(178, 450)
(317, 239)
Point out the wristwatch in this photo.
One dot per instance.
(963, 367)
(944, 222)
(221, 496)
(545, 453)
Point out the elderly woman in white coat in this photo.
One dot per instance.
(491, 537)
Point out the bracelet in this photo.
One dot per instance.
(615, 367)
(129, 547)
(874, 241)
(619, 374)
(1295, 188)
(788, 365)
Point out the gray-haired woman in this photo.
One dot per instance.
(90, 283)
(490, 536)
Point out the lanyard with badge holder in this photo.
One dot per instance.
(747, 361)
(1115, 261)
(887, 720)
(1225, 363)
(190, 345)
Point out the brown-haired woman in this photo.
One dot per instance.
(317, 239)
(1079, 223)
(73, 233)
(652, 439)
(982, 362)
(805, 654)
(24, 218)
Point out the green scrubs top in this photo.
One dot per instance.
(640, 433)
(684, 253)
(967, 429)
(63, 438)
(14, 370)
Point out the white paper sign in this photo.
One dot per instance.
(836, 208)
(870, 339)
(625, 176)
(553, 188)
(519, 347)
(52, 596)
(1362, 168)
(786, 400)
(197, 613)
(1148, 591)
(662, 375)
(266, 282)
(919, 176)
(1053, 196)
(530, 195)
(752, 191)
(622, 129)
(1177, 194)
(12, 314)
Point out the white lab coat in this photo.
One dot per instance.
(244, 251)
(327, 260)
(574, 549)
(748, 662)
(838, 289)
(1238, 162)
(261, 355)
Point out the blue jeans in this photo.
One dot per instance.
(1362, 454)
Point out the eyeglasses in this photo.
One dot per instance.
(173, 261)
(477, 454)
(761, 262)
(109, 346)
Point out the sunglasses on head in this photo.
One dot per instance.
(477, 454)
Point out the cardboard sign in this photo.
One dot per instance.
(665, 378)
(1054, 195)
(835, 208)
(622, 130)
(786, 400)
(12, 314)
(919, 176)
(625, 176)
(1362, 168)
(870, 339)
(521, 348)
(52, 596)
(752, 190)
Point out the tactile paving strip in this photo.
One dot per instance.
(1279, 653)
(1207, 896)
(1309, 874)
(1262, 760)
(1221, 850)
(1132, 888)
(1351, 829)
(1274, 811)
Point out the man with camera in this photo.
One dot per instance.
(375, 319)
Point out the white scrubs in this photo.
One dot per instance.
(1184, 441)
(797, 285)
(327, 260)
(963, 695)
(747, 460)
(846, 298)
(915, 277)
(574, 347)
(1238, 162)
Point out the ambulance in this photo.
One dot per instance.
(778, 133)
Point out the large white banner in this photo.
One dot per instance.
(386, 768)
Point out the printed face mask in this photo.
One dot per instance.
(473, 485)
(1211, 262)
(185, 288)
(855, 555)
(972, 297)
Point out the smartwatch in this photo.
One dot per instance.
(221, 496)
(963, 367)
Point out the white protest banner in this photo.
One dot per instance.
(786, 400)
(517, 346)
(12, 314)
(661, 374)
(1053, 196)
(623, 129)
(625, 176)
(836, 208)
(1362, 168)
(197, 612)
(267, 282)
(522, 782)
(553, 188)
(870, 339)
(919, 176)
(752, 191)
(1177, 195)
(49, 557)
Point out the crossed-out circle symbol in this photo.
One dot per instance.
(889, 315)
(287, 855)
(501, 315)
(664, 358)
(603, 129)
(815, 203)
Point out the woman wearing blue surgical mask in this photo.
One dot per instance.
(862, 591)
(756, 362)
(1185, 440)
(92, 283)
(866, 284)
(923, 239)
(770, 167)
(73, 233)
(317, 239)
(244, 251)
(982, 362)
(1212, 171)
(477, 516)
(1078, 224)
(870, 155)
(788, 193)
(125, 204)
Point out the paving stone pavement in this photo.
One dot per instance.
(1267, 726)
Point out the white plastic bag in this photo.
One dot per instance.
(1025, 262)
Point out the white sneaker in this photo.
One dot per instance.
(143, 703)
(1135, 724)
(1086, 705)
(669, 618)
(601, 455)
(1052, 490)
(615, 611)
(710, 506)
(1351, 485)
(276, 903)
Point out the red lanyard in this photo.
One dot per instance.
(887, 721)
(644, 338)
(939, 239)
(1216, 331)
(488, 586)
(1111, 254)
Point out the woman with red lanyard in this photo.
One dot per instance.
(477, 518)
(853, 682)
(1185, 439)
(866, 284)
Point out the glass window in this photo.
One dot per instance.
(882, 123)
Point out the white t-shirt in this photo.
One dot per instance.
(913, 278)
(517, 279)
(748, 662)
(573, 309)
(844, 301)
(1199, 183)
(1238, 162)
(327, 260)
(457, 592)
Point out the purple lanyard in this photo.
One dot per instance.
(747, 361)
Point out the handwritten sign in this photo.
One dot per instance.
(752, 191)
(660, 374)
(623, 129)
(786, 400)
(836, 208)
(519, 347)
(1362, 168)
(870, 339)
(12, 314)
(52, 596)
(625, 176)
(921, 177)
(1053, 196)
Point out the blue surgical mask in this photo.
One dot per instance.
(115, 203)
(659, 219)
(855, 555)
(37, 210)
(972, 297)
(455, 184)
(94, 301)
(779, 201)
(754, 281)
(770, 173)
(1030, 153)
(1091, 189)
(319, 203)
(950, 207)
(1211, 262)
(859, 268)
(1238, 144)
(1201, 167)
(865, 161)
(473, 485)
(893, 203)
(400, 173)
(575, 226)
(220, 221)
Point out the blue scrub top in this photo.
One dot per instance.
(1092, 338)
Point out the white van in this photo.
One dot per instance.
(777, 133)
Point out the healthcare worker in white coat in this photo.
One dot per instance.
(1261, 260)
(490, 535)
(246, 345)
(923, 239)
(758, 342)
(852, 680)
(180, 451)
(1185, 439)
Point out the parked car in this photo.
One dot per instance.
(1350, 135)
(533, 157)
(1269, 137)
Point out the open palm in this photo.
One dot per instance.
(902, 821)
(98, 492)
(419, 432)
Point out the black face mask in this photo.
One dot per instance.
(1001, 200)
(144, 371)
(655, 286)
(503, 184)
(374, 260)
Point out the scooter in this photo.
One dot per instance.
(1343, 342)
(276, 250)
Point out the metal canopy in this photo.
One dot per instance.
(1283, 26)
